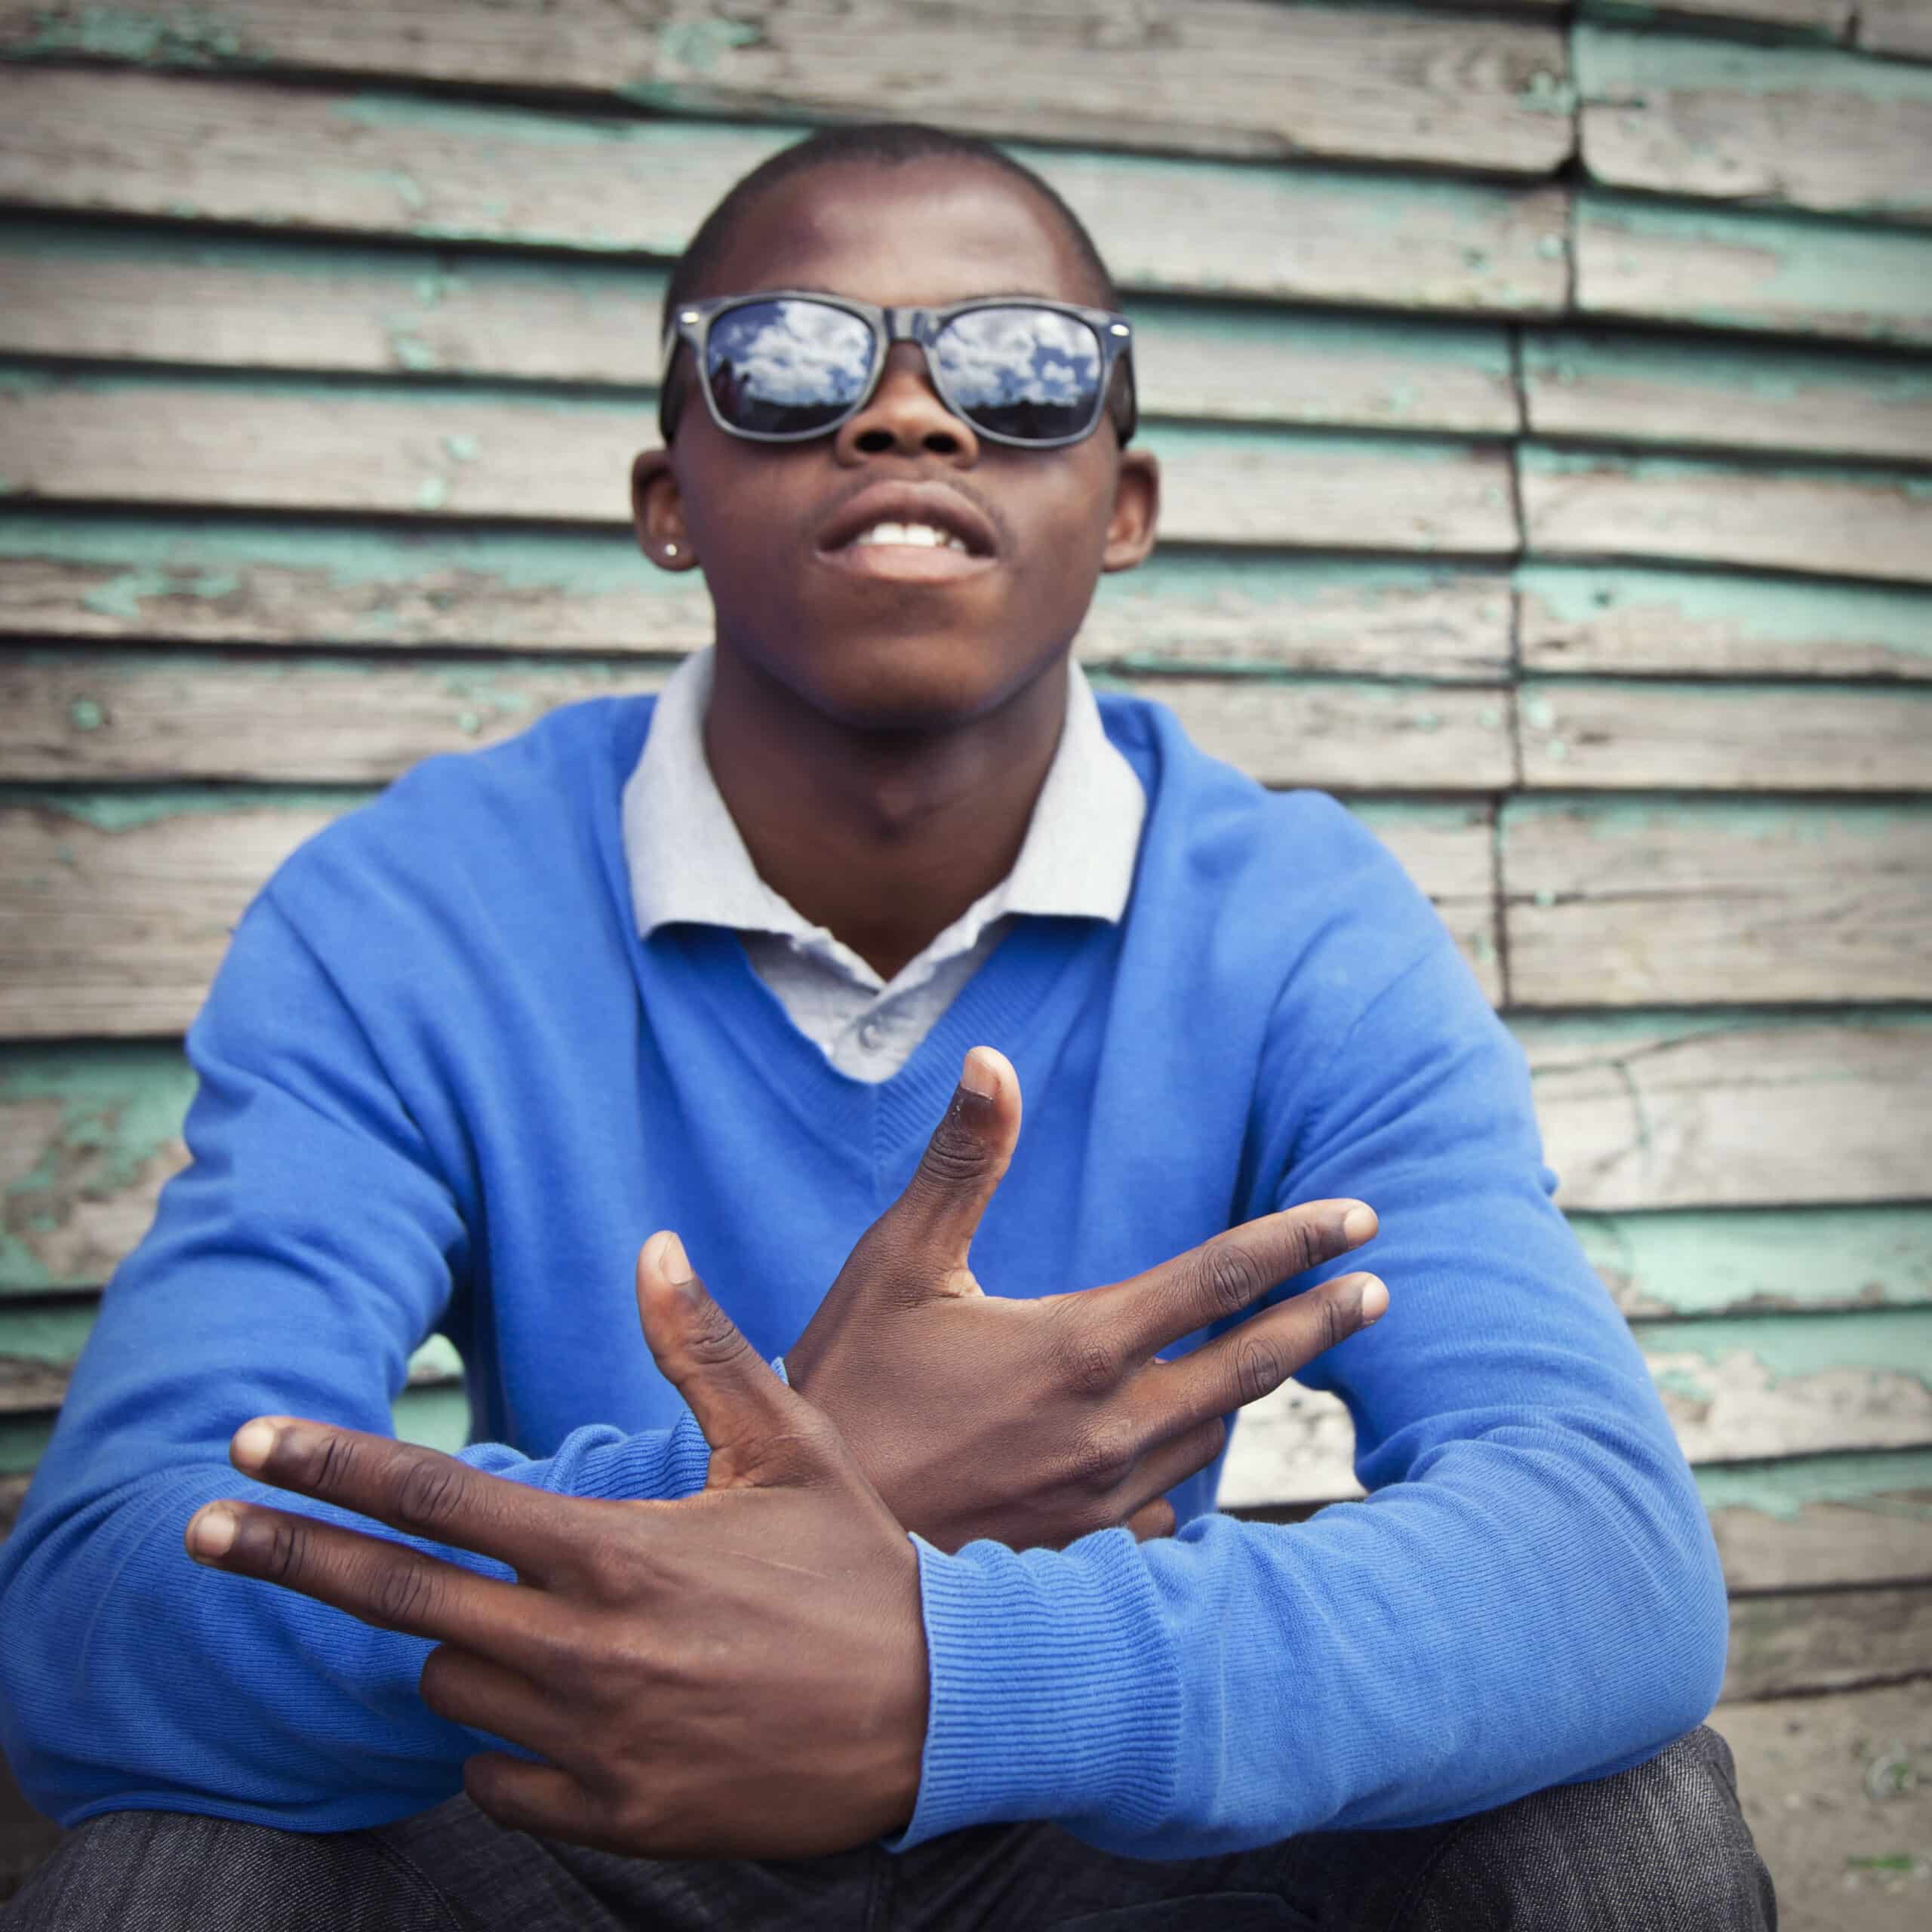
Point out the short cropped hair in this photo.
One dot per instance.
(883, 144)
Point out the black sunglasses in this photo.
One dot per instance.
(787, 365)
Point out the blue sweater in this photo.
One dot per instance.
(444, 1086)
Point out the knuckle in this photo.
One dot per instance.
(1101, 1456)
(1230, 1278)
(404, 1593)
(1086, 1365)
(1260, 1369)
(955, 1158)
(333, 1463)
(1336, 1321)
(712, 1339)
(288, 1551)
(429, 1494)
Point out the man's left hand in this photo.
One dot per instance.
(742, 1673)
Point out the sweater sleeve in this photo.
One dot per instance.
(310, 1245)
(1529, 1595)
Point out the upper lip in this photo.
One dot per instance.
(938, 504)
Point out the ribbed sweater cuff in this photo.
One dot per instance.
(1055, 1691)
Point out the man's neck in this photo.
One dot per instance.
(883, 838)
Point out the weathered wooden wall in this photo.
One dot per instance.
(1546, 402)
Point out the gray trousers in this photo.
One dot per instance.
(1661, 1848)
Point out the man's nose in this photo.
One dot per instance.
(905, 417)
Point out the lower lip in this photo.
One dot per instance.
(906, 563)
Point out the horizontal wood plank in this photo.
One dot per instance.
(1823, 19)
(1734, 1390)
(363, 163)
(1884, 1540)
(1689, 902)
(1583, 733)
(1760, 1261)
(1805, 127)
(553, 458)
(124, 716)
(1653, 389)
(138, 295)
(1862, 523)
(115, 907)
(1810, 1641)
(1685, 1110)
(1578, 617)
(1714, 268)
(1238, 77)
(1896, 26)
(210, 580)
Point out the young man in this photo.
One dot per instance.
(712, 966)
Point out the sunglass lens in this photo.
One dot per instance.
(786, 367)
(1033, 374)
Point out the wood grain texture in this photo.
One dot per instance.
(137, 295)
(205, 580)
(1896, 26)
(1826, 19)
(564, 459)
(1831, 1640)
(120, 716)
(311, 159)
(117, 909)
(1735, 1391)
(1833, 133)
(1583, 734)
(1886, 1539)
(1688, 394)
(1862, 523)
(1760, 1261)
(88, 1136)
(1689, 902)
(1611, 619)
(1684, 1110)
(1238, 77)
(1714, 269)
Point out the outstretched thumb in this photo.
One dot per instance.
(741, 1406)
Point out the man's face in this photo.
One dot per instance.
(897, 636)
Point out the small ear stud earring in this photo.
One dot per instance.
(670, 549)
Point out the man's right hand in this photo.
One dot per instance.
(1034, 1422)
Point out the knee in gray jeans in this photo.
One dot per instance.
(1662, 1845)
(172, 1871)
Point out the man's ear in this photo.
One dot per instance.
(1136, 510)
(657, 511)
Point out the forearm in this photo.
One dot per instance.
(1541, 1603)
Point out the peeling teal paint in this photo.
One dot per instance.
(1865, 280)
(1539, 459)
(1883, 1341)
(124, 595)
(1755, 819)
(119, 1110)
(1780, 610)
(702, 44)
(84, 714)
(431, 493)
(1610, 65)
(1782, 1489)
(1747, 370)
(461, 449)
(129, 811)
(1696, 1261)
(169, 37)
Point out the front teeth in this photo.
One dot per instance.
(920, 534)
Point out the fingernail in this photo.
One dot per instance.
(1374, 1299)
(211, 1531)
(978, 1076)
(1359, 1223)
(253, 1444)
(672, 1263)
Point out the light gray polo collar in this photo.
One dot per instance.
(687, 861)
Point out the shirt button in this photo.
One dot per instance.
(871, 1033)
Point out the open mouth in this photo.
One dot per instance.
(920, 532)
